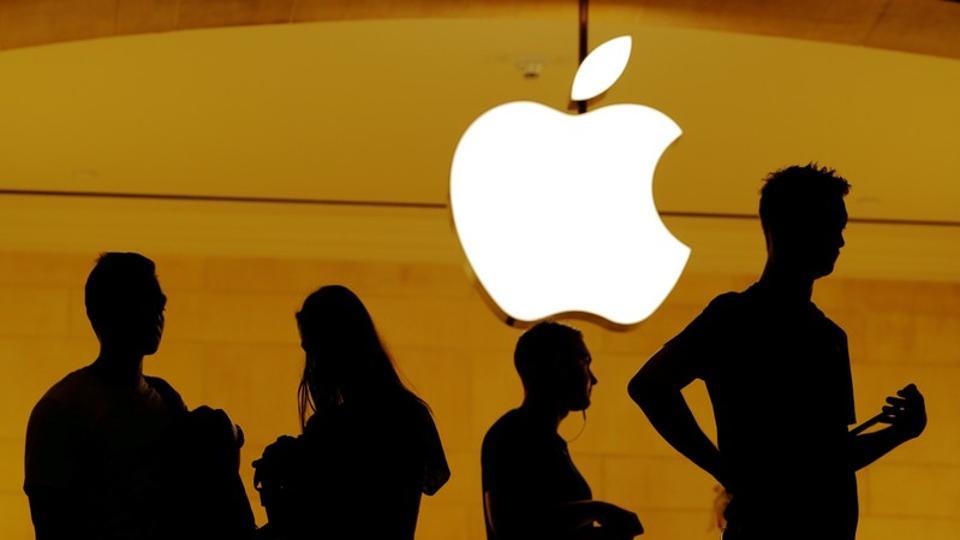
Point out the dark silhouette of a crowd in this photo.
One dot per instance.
(112, 453)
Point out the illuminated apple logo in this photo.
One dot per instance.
(555, 211)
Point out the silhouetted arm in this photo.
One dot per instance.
(611, 520)
(56, 510)
(907, 417)
(435, 470)
(567, 521)
(656, 388)
(869, 447)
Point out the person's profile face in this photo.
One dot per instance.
(579, 380)
(139, 325)
(150, 319)
(813, 246)
(827, 238)
(321, 340)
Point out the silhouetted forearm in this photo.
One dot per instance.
(656, 389)
(906, 415)
(568, 521)
(868, 447)
(671, 417)
(577, 514)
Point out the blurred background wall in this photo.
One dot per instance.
(255, 160)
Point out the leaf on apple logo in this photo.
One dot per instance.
(601, 68)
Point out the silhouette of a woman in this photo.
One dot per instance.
(369, 447)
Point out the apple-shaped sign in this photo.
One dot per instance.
(555, 211)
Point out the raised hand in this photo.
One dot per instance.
(906, 412)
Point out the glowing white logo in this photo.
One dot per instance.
(555, 211)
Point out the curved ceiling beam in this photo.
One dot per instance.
(903, 25)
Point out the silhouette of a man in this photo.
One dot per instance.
(100, 462)
(778, 374)
(531, 487)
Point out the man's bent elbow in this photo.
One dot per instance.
(641, 388)
(650, 390)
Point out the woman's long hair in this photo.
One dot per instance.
(344, 355)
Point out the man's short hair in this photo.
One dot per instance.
(116, 284)
(541, 348)
(788, 195)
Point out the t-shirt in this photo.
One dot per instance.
(526, 467)
(95, 446)
(779, 379)
(364, 468)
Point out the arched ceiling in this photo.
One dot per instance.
(919, 26)
(372, 110)
(362, 112)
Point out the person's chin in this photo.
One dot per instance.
(824, 269)
(581, 405)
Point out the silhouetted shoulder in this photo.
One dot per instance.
(78, 392)
(71, 397)
(72, 384)
(693, 353)
(53, 433)
(84, 393)
(399, 423)
(721, 312)
(501, 433)
(79, 405)
(403, 409)
(732, 302)
(170, 396)
(503, 444)
(832, 327)
(526, 467)
(490, 438)
(519, 454)
(506, 431)
(722, 306)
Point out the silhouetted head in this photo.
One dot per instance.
(554, 366)
(125, 303)
(803, 217)
(345, 359)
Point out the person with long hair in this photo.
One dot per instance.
(369, 447)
